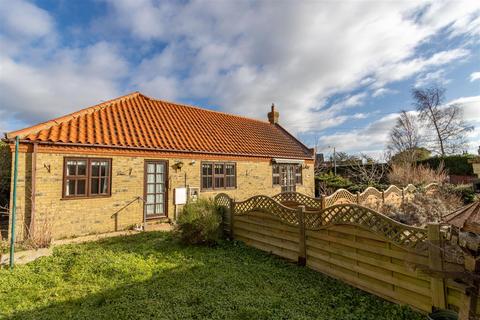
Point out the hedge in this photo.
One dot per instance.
(5, 172)
(456, 164)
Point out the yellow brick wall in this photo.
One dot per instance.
(74, 217)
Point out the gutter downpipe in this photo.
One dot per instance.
(14, 205)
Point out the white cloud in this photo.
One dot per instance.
(410, 67)
(374, 137)
(474, 76)
(296, 55)
(240, 56)
(429, 78)
(24, 19)
(382, 92)
(64, 83)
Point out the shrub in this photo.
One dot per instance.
(403, 174)
(328, 183)
(464, 191)
(199, 223)
(42, 236)
(424, 208)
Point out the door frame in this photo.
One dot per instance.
(289, 172)
(165, 204)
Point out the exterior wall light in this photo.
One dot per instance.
(178, 165)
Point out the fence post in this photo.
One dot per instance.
(358, 198)
(231, 210)
(468, 301)
(323, 202)
(383, 197)
(435, 262)
(302, 248)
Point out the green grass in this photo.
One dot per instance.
(150, 276)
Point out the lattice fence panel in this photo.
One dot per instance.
(410, 188)
(370, 197)
(268, 205)
(352, 214)
(340, 196)
(298, 199)
(222, 199)
(431, 188)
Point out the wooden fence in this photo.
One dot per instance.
(355, 244)
(372, 197)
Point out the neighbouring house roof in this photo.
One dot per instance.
(138, 121)
(466, 218)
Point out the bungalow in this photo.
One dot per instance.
(135, 158)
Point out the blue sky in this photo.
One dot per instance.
(337, 71)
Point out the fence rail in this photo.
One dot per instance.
(355, 244)
(371, 196)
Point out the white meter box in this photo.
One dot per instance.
(180, 196)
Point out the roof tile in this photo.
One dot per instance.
(138, 121)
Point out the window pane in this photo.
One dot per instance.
(104, 168)
(159, 198)
(219, 182)
(276, 168)
(150, 178)
(230, 183)
(150, 209)
(159, 168)
(159, 188)
(219, 169)
(204, 182)
(103, 185)
(150, 188)
(70, 187)
(276, 180)
(159, 208)
(81, 187)
(207, 169)
(151, 198)
(230, 169)
(95, 168)
(150, 168)
(207, 182)
(71, 168)
(94, 186)
(81, 168)
(159, 177)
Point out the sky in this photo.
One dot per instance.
(338, 71)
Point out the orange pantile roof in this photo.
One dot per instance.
(137, 121)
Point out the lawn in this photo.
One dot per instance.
(150, 276)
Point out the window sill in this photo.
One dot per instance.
(86, 197)
(156, 216)
(213, 190)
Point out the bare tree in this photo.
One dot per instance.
(405, 138)
(445, 120)
(368, 171)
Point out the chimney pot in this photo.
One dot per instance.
(273, 115)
